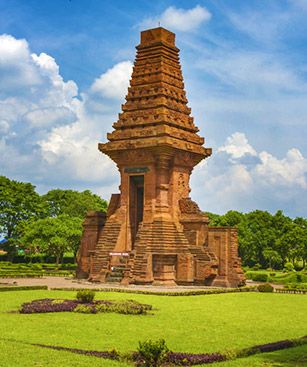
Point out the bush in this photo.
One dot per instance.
(256, 266)
(84, 309)
(85, 296)
(299, 278)
(267, 288)
(289, 266)
(260, 277)
(23, 288)
(129, 307)
(152, 353)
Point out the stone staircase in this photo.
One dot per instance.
(116, 274)
(159, 238)
(106, 243)
(163, 238)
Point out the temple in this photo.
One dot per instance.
(153, 233)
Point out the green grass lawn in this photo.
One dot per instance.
(196, 324)
(293, 357)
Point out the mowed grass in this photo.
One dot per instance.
(196, 324)
(292, 357)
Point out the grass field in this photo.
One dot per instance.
(191, 324)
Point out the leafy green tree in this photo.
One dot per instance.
(295, 243)
(214, 219)
(18, 202)
(272, 256)
(302, 223)
(232, 218)
(73, 203)
(53, 236)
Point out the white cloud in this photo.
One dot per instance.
(237, 146)
(290, 171)
(114, 82)
(255, 71)
(176, 19)
(268, 183)
(48, 133)
(50, 116)
(16, 66)
(4, 126)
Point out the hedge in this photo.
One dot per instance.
(157, 293)
(291, 290)
(23, 288)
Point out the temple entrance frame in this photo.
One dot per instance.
(136, 204)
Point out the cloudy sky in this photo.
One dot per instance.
(65, 67)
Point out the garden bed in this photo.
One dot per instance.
(45, 305)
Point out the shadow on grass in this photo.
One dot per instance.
(292, 357)
(278, 354)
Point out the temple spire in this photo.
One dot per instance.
(156, 108)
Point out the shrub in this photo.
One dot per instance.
(299, 278)
(265, 288)
(152, 353)
(260, 277)
(84, 309)
(103, 307)
(189, 359)
(129, 307)
(249, 275)
(256, 266)
(47, 305)
(289, 266)
(85, 296)
(23, 288)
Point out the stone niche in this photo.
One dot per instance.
(153, 233)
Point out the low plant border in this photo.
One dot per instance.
(161, 293)
(34, 275)
(291, 290)
(23, 288)
(189, 359)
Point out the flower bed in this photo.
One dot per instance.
(188, 359)
(129, 307)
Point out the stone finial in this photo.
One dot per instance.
(157, 35)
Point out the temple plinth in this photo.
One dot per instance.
(154, 233)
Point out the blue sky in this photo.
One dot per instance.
(64, 71)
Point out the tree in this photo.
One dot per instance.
(302, 223)
(214, 219)
(73, 203)
(272, 256)
(232, 218)
(295, 243)
(18, 202)
(53, 236)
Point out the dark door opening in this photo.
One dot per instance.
(136, 204)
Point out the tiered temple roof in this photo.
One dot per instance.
(156, 112)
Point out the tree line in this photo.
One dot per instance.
(49, 224)
(267, 240)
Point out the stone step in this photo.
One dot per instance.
(114, 279)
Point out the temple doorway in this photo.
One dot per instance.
(136, 204)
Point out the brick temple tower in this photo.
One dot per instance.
(153, 232)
